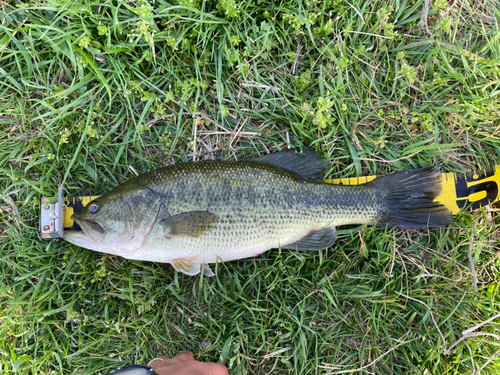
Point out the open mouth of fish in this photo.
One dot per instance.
(91, 231)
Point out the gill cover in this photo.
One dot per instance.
(119, 221)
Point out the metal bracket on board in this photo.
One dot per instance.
(51, 217)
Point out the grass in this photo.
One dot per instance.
(93, 91)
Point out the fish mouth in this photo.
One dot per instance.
(93, 230)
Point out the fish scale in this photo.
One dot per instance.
(192, 214)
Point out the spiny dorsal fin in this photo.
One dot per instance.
(315, 240)
(189, 224)
(310, 165)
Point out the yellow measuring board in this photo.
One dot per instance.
(72, 205)
(470, 191)
(461, 192)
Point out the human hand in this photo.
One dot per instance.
(184, 364)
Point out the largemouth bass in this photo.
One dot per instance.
(194, 214)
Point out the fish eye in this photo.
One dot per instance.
(94, 206)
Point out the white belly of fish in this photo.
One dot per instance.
(220, 245)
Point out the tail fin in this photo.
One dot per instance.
(410, 199)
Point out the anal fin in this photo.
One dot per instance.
(315, 240)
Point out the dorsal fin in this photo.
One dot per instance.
(310, 165)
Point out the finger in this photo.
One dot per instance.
(215, 369)
(162, 361)
(157, 362)
(192, 368)
(183, 356)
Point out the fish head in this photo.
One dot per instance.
(110, 223)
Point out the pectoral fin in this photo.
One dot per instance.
(189, 224)
(189, 267)
(315, 240)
